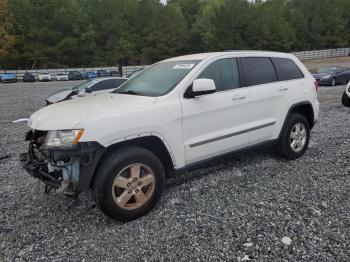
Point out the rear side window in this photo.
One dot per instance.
(98, 86)
(286, 69)
(107, 84)
(112, 83)
(224, 73)
(259, 70)
(118, 82)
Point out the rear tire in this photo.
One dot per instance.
(120, 188)
(294, 138)
(345, 100)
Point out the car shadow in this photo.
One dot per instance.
(241, 160)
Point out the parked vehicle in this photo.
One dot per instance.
(102, 73)
(332, 75)
(62, 77)
(8, 78)
(134, 73)
(95, 86)
(28, 77)
(346, 96)
(90, 75)
(75, 75)
(175, 115)
(114, 73)
(44, 77)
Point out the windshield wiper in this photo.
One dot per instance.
(130, 92)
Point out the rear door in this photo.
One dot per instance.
(214, 124)
(343, 75)
(267, 96)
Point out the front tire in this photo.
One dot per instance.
(128, 184)
(294, 138)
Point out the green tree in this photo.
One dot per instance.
(6, 38)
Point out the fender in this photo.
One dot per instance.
(139, 135)
(294, 106)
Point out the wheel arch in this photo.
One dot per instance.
(304, 108)
(157, 145)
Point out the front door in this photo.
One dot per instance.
(214, 124)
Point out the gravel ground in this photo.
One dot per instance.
(249, 207)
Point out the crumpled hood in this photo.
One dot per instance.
(68, 114)
(59, 96)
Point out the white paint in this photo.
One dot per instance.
(181, 122)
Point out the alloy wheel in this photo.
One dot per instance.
(133, 186)
(298, 137)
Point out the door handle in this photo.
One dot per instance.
(283, 89)
(239, 97)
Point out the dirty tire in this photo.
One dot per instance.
(284, 148)
(345, 100)
(108, 170)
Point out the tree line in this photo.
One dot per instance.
(70, 33)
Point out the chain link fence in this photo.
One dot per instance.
(319, 54)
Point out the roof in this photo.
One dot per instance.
(202, 56)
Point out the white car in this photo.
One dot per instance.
(95, 86)
(346, 96)
(44, 77)
(62, 77)
(174, 115)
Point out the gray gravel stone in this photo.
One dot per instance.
(212, 213)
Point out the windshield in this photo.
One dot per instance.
(158, 79)
(328, 70)
(83, 85)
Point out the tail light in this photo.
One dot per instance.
(316, 85)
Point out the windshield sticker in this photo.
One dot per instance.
(183, 66)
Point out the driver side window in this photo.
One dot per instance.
(224, 73)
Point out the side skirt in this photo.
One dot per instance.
(205, 162)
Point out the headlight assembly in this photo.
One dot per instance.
(63, 138)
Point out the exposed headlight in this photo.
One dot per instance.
(63, 138)
(326, 77)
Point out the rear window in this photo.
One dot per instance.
(259, 70)
(286, 69)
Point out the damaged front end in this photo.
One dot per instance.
(67, 170)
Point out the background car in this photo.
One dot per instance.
(8, 78)
(114, 73)
(346, 96)
(75, 75)
(62, 77)
(332, 75)
(90, 75)
(44, 77)
(102, 73)
(95, 86)
(28, 77)
(134, 73)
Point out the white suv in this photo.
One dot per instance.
(175, 114)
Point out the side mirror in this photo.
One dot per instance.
(88, 90)
(201, 87)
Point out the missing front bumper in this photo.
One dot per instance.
(67, 170)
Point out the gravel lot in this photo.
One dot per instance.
(253, 206)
